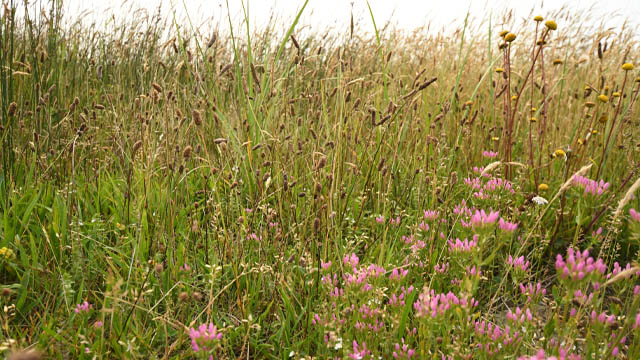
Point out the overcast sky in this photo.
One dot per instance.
(407, 14)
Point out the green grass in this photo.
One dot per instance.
(133, 150)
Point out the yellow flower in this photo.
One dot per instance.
(603, 118)
(604, 98)
(503, 33)
(538, 18)
(509, 37)
(499, 70)
(560, 153)
(551, 25)
(514, 98)
(616, 94)
(495, 138)
(6, 253)
(543, 187)
(533, 119)
(120, 226)
(558, 62)
(627, 66)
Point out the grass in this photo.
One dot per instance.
(361, 192)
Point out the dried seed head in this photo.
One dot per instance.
(12, 109)
(197, 118)
(157, 87)
(184, 296)
(186, 153)
(136, 147)
(627, 66)
(197, 296)
(589, 104)
(159, 268)
(551, 25)
(5, 292)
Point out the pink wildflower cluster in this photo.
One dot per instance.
(398, 273)
(507, 226)
(481, 218)
(541, 355)
(492, 338)
(370, 319)
(398, 300)
(359, 352)
(83, 307)
(635, 215)
(431, 215)
(441, 268)
(592, 187)
(518, 263)
(532, 291)
(403, 351)
(489, 154)
(602, 318)
(205, 338)
(463, 245)
(520, 315)
(430, 304)
(578, 265)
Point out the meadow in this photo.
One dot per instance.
(173, 191)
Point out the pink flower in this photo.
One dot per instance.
(480, 218)
(83, 307)
(205, 338)
(634, 214)
(518, 263)
(489, 154)
(507, 226)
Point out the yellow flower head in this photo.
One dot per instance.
(499, 70)
(503, 33)
(551, 25)
(558, 62)
(538, 18)
(533, 119)
(543, 187)
(604, 98)
(603, 118)
(509, 37)
(616, 94)
(627, 66)
(560, 153)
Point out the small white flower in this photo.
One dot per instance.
(540, 200)
(292, 354)
(338, 344)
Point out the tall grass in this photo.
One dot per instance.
(277, 183)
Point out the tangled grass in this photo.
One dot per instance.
(280, 193)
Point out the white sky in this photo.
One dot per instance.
(408, 14)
